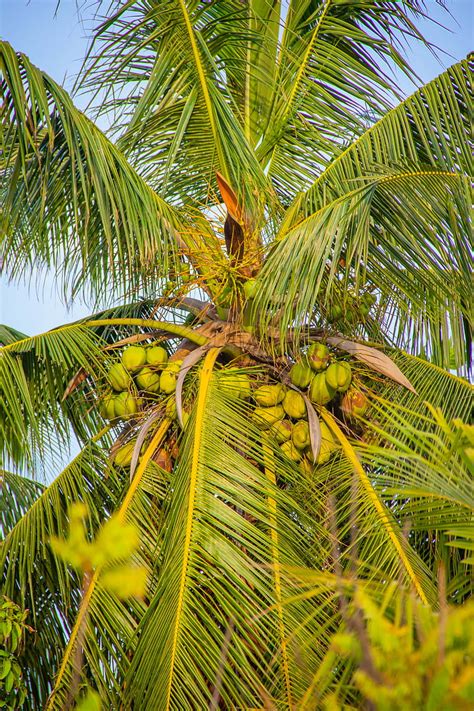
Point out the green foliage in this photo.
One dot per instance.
(110, 551)
(213, 565)
(421, 660)
(12, 630)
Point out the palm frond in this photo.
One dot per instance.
(18, 493)
(35, 578)
(70, 201)
(34, 374)
(392, 212)
(224, 522)
(331, 76)
(180, 125)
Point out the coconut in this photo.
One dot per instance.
(269, 395)
(235, 384)
(281, 430)
(264, 417)
(318, 356)
(123, 455)
(107, 406)
(156, 355)
(354, 403)
(306, 467)
(119, 377)
(149, 380)
(301, 374)
(133, 358)
(125, 405)
(290, 451)
(300, 435)
(339, 375)
(294, 405)
(320, 391)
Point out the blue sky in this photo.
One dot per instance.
(56, 42)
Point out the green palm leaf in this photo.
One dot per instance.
(398, 224)
(215, 574)
(180, 127)
(62, 177)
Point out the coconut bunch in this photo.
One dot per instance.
(141, 373)
(144, 379)
(351, 309)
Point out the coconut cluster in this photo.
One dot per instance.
(144, 376)
(141, 376)
(354, 310)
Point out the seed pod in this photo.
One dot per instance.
(294, 405)
(320, 391)
(354, 403)
(156, 355)
(318, 356)
(301, 374)
(281, 430)
(264, 417)
(149, 380)
(133, 358)
(269, 395)
(119, 377)
(339, 376)
(300, 435)
(289, 450)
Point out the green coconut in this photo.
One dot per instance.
(149, 380)
(339, 375)
(290, 451)
(318, 356)
(281, 430)
(354, 403)
(107, 406)
(300, 435)
(156, 355)
(264, 417)
(133, 358)
(301, 374)
(123, 456)
(119, 377)
(125, 405)
(235, 384)
(320, 392)
(269, 395)
(294, 405)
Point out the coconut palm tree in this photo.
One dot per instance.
(285, 249)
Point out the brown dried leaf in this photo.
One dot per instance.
(314, 427)
(229, 197)
(374, 358)
(141, 438)
(190, 360)
(75, 381)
